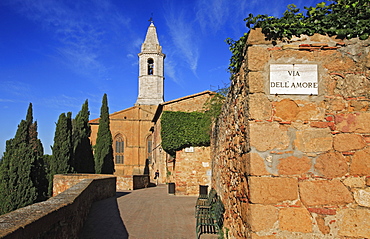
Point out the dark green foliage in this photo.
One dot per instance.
(22, 172)
(83, 158)
(103, 153)
(62, 148)
(344, 18)
(181, 130)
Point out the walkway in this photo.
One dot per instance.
(144, 213)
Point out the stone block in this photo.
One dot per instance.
(354, 182)
(362, 197)
(286, 110)
(268, 190)
(355, 223)
(310, 111)
(360, 165)
(294, 166)
(348, 142)
(331, 165)
(336, 104)
(313, 140)
(357, 123)
(257, 58)
(256, 37)
(321, 224)
(255, 236)
(262, 217)
(256, 165)
(256, 82)
(324, 192)
(260, 107)
(295, 220)
(268, 136)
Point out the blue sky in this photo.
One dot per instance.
(58, 53)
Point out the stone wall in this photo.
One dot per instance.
(61, 216)
(297, 166)
(192, 168)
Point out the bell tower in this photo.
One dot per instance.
(151, 70)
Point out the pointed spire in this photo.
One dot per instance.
(151, 43)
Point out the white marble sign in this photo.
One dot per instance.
(294, 79)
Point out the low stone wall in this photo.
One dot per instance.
(61, 216)
(140, 181)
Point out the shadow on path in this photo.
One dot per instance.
(104, 220)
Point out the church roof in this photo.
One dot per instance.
(160, 106)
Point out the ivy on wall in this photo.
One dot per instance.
(343, 18)
(182, 129)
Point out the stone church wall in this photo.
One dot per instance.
(296, 166)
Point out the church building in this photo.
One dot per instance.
(132, 128)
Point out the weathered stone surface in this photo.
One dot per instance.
(310, 111)
(323, 192)
(321, 224)
(255, 236)
(313, 140)
(293, 165)
(336, 104)
(260, 107)
(334, 61)
(256, 37)
(331, 165)
(348, 142)
(256, 82)
(268, 190)
(257, 57)
(361, 163)
(295, 220)
(268, 136)
(262, 217)
(362, 197)
(354, 182)
(355, 223)
(352, 85)
(256, 165)
(358, 123)
(286, 110)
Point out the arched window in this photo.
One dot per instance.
(150, 66)
(119, 149)
(149, 148)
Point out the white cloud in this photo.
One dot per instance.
(183, 35)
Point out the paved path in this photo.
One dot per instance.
(144, 213)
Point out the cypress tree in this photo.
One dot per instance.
(21, 168)
(83, 158)
(62, 148)
(103, 154)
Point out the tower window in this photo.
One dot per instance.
(150, 66)
(119, 150)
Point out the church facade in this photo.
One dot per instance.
(136, 145)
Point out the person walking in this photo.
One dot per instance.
(156, 176)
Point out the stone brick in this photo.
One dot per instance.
(256, 165)
(262, 217)
(286, 110)
(256, 37)
(348, 142)
(256, 82)
(313, 140)
(257, 58)
(259, 107)
(354, 182)
(321, 224)
(362, 197)
(268, 136)
(268, 190)
(295, 220)
(360, 163)
(358, 123)
(331, 165)
(309, 111)
(355, 223)
(334, 61)
(293, 165)
(323, 192)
